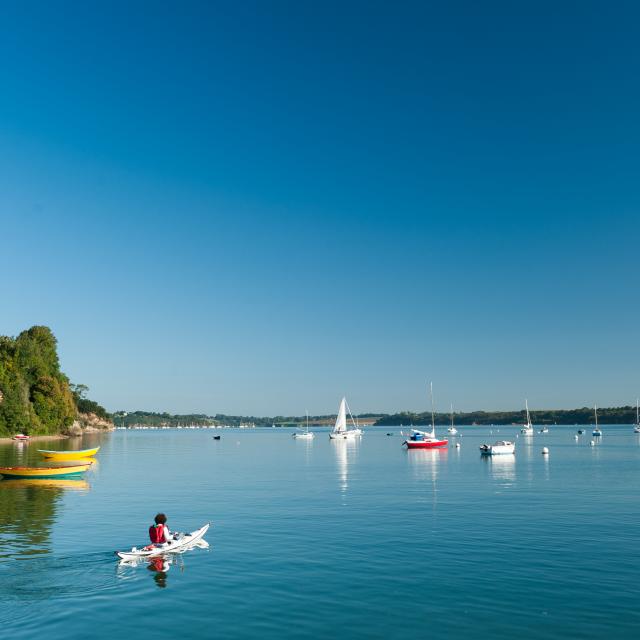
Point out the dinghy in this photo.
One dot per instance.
(69, 455)
(43, 472)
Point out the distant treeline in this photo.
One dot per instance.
(611, 415)
(155, 419)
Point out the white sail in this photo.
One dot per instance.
(341, 420)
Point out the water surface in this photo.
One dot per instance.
(320, 538)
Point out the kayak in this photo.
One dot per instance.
(68, 455)
(175, 546)
(43, 472)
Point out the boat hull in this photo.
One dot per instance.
(62, 456)
(426, 444)
(345, 435)
(43, 472)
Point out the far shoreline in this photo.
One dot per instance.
(35, 439)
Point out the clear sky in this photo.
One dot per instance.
(256, 207)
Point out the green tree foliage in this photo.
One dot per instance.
(35, 396)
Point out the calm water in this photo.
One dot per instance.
(312, 539)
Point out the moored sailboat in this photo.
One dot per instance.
(527, 429)
(340, 430)
(452, 430)
(596, 431)
(425, 439)
(305, 435)
(636, 426)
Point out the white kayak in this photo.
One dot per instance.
(183, 543)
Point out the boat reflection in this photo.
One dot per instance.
(502, 467)
(45, 483)
(346, 451)
(425, 465)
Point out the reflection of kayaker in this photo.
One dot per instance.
(159, 566)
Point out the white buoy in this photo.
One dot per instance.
(457, 445)
(576, 438)
(592, 443)
(545, 451)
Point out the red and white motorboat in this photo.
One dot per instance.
(20, 437)
(424, 440)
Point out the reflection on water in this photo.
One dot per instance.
(424, 465)
(159, 566)
(27, 513)
(346, 452)
(503, 467)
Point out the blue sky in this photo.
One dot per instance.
(258, 208)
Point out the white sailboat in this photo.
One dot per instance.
(340, 430)
(527, 429)
(596, 431)
(305, 435)
(636, 427)
(452, 430)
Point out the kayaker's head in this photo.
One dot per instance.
(161, 519)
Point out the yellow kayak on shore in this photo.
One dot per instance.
(68, 455)
(43, 472)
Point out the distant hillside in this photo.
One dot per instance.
(611, 415)
(150, 418)
(35, 396)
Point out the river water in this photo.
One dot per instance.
(329, 539)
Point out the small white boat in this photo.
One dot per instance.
(305, 435)
(596, 431)
(527, 429)
(498, 448)
(340, 430)
(544, 430)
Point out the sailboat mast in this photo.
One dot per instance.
(638, 411)
(595, 411)
(452, 415)
(307, 412)
(433, 420)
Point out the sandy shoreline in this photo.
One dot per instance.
(33, 439)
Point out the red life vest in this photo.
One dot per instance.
(156, 533)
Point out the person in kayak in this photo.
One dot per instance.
(159, 532)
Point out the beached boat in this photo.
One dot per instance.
(21, 437)
(305, 435)
(527, 429)
(44, 472)
(426, 439)
(596, 430)
(340, 430)
(62, 456)
(501, 447)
